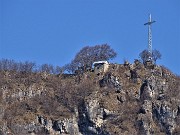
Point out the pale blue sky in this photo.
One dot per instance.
(53, 31)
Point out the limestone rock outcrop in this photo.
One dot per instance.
(126, 100)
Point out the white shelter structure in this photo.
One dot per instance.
(100, 66)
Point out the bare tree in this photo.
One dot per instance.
(156, 55)
(145, 55)
(59, 70)
(88, 54)
(11, 65)
(26, 66)
(6, 64)
(29, 67)
(47, 68)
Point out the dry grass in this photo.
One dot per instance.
(60, 95)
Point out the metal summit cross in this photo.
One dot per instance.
(150, 36)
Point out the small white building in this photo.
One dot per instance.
(100, 66)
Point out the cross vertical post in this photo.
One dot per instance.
(150, 36)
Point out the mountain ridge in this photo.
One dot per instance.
(127, 99)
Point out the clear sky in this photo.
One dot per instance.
(53, 31)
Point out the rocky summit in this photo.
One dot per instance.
(127, 99)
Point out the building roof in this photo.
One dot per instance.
(100, 62)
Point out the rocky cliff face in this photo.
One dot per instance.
(127, 100)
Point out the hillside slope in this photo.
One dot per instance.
(128, 99)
